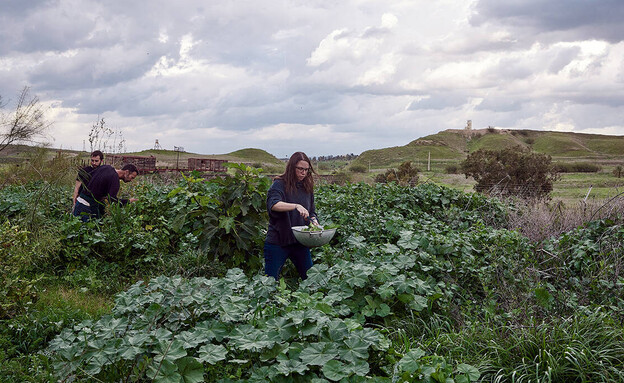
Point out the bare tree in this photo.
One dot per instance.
(25, 123)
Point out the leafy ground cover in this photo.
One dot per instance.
(420, 284)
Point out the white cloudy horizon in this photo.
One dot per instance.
(318, 76)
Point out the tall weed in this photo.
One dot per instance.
(541, 220)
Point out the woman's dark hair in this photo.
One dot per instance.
(290, 175)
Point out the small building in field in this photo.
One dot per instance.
(143, 164)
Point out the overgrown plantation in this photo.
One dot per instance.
(420, 284)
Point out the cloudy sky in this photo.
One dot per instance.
(325, 77)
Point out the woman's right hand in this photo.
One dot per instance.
(302, 211)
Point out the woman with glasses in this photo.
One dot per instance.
(290, 202)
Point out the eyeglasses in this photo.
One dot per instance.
(305, 170)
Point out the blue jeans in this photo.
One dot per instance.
(82, 211)
(96, 209)
(275, 257)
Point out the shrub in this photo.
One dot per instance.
(323, 166)
(452, 169)
(358, 168)
(513, 171)
(406, 174)
(341, 177)
(577, 167)
(230, 221)
(618, 171)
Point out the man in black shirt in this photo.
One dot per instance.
(84, 174)
(102, 187)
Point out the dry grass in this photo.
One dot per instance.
(539, 221)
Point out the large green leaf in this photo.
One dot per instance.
(470, 372)
(191, 370)
(411, 361)
(247, 337)
(318, 354)
(288, 366)
(354, 349)
(171, 351)
(212, 353)
(164, 372)
(335, 370)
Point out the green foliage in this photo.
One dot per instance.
(230, 220)
(580, 348)
(17, 286)
(24, 338)
(173, 329)
(34, 203)
(513, 171)
(587, 260)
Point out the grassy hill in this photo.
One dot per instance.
(453, 145)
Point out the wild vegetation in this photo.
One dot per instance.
(424, 283)
(512, 171)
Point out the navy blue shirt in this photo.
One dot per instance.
(280, 223)
(104, 183)
(84, 175)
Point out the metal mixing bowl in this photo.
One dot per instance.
(313, 238)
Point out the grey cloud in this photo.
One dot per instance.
(500, 103)
(601, 20)
(563, 58)
(375, 32)
(94, 68)
(439, 102)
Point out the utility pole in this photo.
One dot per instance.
(429, 162)
(177, 149)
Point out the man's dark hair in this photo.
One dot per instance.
(131, 167)
(98, 153)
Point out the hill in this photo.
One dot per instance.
(244, 155)
(453, 145)
(252, 156)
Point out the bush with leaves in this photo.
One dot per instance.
(590, 260)
(513, 171)
(358, 168)
(230, 222)
(404, 175)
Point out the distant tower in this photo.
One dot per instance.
(469, 125)
(157, 145)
